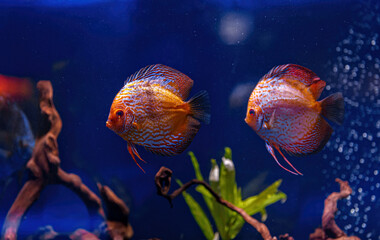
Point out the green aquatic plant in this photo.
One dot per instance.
(222, 181)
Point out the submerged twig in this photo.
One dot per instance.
(163, 182)
(44, 169)
(330, 229)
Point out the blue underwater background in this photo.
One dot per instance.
(88, 48)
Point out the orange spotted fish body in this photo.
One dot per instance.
(151, 111)
(284, 111)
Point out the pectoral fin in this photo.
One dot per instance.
(136, 125)
(133, 151)
(270, 124)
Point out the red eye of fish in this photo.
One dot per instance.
(252, 112)
(120, 113)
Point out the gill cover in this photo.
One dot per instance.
(255, 118)
(120, 121)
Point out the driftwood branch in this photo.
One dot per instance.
(44, 169)
(163, 182)
(117, 214)
(330, 229)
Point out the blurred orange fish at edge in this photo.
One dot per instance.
(15, 88)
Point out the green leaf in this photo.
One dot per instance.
(227, 181)
(228, 222)
(214, 176)
(194, 160)
(238, 199)
(218, 212)
(270, 195)
(220, 215)
(228, 153)
(255, 204)
(264, 215)
(236, 226)
(229, 192)
(198, 214)
(202, 190)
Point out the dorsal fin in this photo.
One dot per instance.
(316, 88)
(300, 74)
(169, 78)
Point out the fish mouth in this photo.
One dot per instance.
(249, 123)
(108, 124)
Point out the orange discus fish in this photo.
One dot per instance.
(284, 111)
(15, 88)
(150, 110)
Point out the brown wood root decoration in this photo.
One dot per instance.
(330, 229)
(44, 169)
(163, 181)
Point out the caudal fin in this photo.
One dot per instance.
(333, 108)
(200, 107)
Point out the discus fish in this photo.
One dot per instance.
(151, 111)
(284, 111)
(15, 88)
